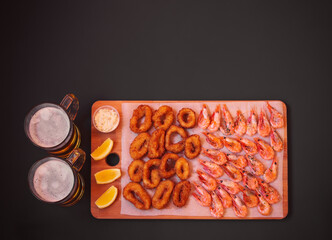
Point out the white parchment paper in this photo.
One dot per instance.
(192, 208)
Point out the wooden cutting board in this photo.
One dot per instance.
(114, 211)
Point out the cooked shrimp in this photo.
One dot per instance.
(264, 127)
(270, 194)
(232, 145)
(213, 140)
(216, 156)
(249, 198)
(255, 165)
(216, 209)
(211, 168)
(240, 124)
(263, 207)
(239, 162)
(201, 195)
(276, 142)
(271, 173)
(276, 119)
(240, 209)
(227, 123)
(215, 120)
(252, 123)
(224, 196)
(233, 173)
(230, 186)
(264, 149)
(231, 157)
(248, 146)
(249, 180)
(208, 182)
(203, 120)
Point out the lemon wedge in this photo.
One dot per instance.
(103, 150)
(107, 176)
(107, 198)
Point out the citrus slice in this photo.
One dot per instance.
(107, 198)
(103, 150)
(107, 176)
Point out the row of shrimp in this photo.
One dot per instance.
(236, 145)
(219, 194)
(234, 165)
(222, 120)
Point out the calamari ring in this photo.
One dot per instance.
(133, 191)
(163, 194)
(157, 144)
(182, 168)
(151, 177)
(175, 147)
(140, 112)
(163, 118)
(135, 170)
(167, 170)
(181, 193)
(139, 147)
(192, 146)
(187, 118)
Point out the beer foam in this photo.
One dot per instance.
(49, 127)
(53, 180)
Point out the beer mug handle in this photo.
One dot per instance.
(70, 104)
(77, 159)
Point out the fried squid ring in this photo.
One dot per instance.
(135, 170)
(140, 112)
(181, 193)
(139, 147)
(137, 195)
(157, 144)
(163, 118)
(182, 168)
(151, 177)
(186, 118)
(192, 146)
(163, 193)
(166, 168)
(175, 147)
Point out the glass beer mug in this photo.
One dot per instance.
(57, 181)
(50, 126)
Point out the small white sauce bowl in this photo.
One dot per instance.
(103, 107)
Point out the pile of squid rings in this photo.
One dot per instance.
(164, 163)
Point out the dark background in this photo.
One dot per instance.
(220, 50)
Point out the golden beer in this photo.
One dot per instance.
(57, 181)
(50, 126)
(73, 143)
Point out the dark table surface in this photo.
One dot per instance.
(213, 50)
